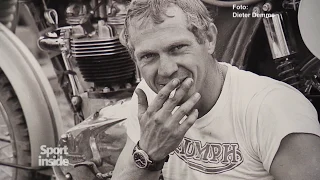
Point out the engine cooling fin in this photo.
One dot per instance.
(103, 61)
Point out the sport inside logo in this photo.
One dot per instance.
(53, 156)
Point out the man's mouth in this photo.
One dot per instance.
(173, 92)
(180, 80)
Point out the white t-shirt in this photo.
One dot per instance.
(239, 137)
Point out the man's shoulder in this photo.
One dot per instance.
(264, 92)
(250, 84)
(252, 80)
(252, 89)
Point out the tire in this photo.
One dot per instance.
(11, 112)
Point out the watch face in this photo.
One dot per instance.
(140, 159)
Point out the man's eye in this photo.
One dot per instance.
(147, 56)
(178, 48)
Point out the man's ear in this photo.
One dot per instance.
(212, 38)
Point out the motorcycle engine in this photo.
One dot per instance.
(91, 43)
(96, 47)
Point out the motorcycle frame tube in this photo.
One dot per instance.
(34, 92)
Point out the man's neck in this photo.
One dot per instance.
(212, 88)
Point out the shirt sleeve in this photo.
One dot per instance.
(283, 111)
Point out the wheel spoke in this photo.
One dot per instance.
(4, 158)
(5, 173)
(7, 145)
(4, 134)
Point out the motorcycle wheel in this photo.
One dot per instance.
(14, 136)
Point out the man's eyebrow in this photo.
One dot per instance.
(143, 52)
(177, 43)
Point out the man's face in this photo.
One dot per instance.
(169, 50)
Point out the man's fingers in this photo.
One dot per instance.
(142, 102)
(163, 95)
(191, 119)
(186, 107)
(172, 102)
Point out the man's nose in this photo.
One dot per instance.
(167, 66)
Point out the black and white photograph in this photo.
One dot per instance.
(159, 90)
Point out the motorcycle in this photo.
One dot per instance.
(278, 40)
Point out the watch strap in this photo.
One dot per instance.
(152, 165)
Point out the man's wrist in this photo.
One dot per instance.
(143, 160)
(154, 156)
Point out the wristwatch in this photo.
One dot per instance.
(143, 161)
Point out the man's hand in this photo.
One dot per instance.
(161, 131)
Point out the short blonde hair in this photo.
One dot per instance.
(198, 17)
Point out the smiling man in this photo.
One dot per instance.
(220, 122)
